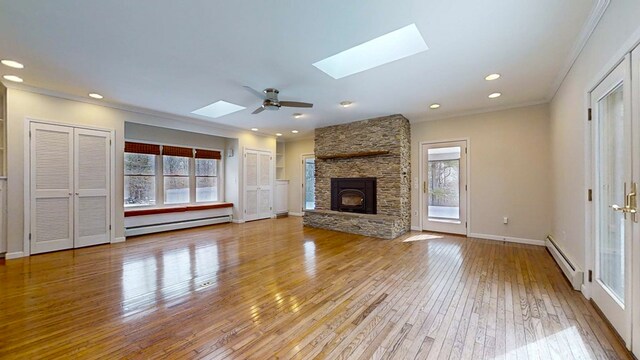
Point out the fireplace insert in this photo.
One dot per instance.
(354, 195)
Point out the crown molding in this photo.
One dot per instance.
(598, 10)
(481, 111)
(196, 123)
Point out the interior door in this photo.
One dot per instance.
(444, 187)
(91, 200)
(51, 193)
(614, 198)
(258, 179)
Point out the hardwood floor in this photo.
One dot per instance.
(271, 289)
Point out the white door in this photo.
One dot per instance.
(614, 198)
(258, 180)
(308, 182)
(635, 244)
(51, 203)
(444, 187)
(92, 203)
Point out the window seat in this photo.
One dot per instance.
(174, 209)
(151, 220)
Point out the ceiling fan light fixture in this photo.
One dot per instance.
(346, 103)
(297, 115)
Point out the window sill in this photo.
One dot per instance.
(174, 209)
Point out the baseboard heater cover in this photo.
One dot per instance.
(572, 272)
(149, 229)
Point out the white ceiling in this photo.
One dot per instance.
(166, 56)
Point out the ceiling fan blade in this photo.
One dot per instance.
(296, 104)
(258, 110)
(257, 93)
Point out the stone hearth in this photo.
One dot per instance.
(375, 148)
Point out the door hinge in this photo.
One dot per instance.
(245, 211)
(109, 227)
(590, 195)
(270, 208)
(465, 150)
(110, 143)
(465, 224)
(465, 188)
(590, 276)
(29, 236)
(589, 114)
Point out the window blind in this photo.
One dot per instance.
(208, 154)
(140, 148)
(177, 151)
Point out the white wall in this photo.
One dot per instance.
(293, 170)
(613, 36)
(509, 169)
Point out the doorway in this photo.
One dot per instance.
(615, 173)
(308, 182)
(444, 186)
(258, 180)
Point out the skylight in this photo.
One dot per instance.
(218, 109)
(393, 46)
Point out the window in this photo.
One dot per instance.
(168, 175)
(176, 179)
(140, 174)
(206, 180)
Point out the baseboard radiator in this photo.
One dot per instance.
(572, 272)
(168, 226)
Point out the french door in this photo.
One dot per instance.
(614, 196)
(69, 187)
(444, 187)
(308, 182)
(258, 180)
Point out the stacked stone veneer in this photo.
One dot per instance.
(393, 173)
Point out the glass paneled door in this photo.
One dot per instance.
(444, 187)
(614, 198)
(308, 182)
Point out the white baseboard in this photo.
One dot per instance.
(237, 221)
(415, 228)
(585, 292)
(291, 213)
(14, 255)
(571, 271)
(507, 239)
(118, 240)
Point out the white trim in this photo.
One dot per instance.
(119, 240)
(237, 221)
(415, 228)
(150, 229)
(598, 10)
(15, 255)
(481, 111)
(291, 213)
(507, 239)
(421, 208)
(585, 291)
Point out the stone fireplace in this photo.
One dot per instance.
(357, 195)
(363, 178)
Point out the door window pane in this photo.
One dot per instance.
(310, 183)
(611, 177)
(444, 183)
(139, 179)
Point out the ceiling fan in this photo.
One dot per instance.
(270, 100)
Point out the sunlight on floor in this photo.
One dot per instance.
(422, 237)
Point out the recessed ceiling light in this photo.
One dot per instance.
(492, 77)
(96, 96)
(345, 103)
(13, 78)
(254, 129)
(393, 46)
(278, 134)
(494, 95)
(294, 131)
(13, 64)
(434, 106)
(218, 109)
(297, 115)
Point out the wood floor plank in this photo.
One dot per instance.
(274, 289)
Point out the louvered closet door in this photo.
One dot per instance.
(92, 203)
(265, 191)
(51, 161)
(251, 185)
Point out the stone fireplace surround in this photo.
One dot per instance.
(374, 148)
